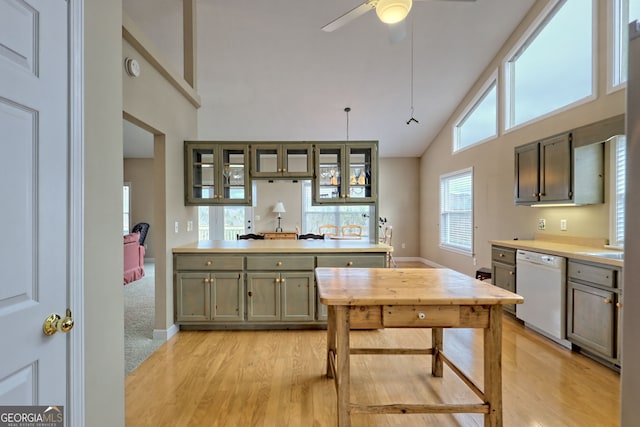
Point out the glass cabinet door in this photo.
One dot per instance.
(361, 165)
(297, 160)
(265, 160)
(235, 175)
(328, 183)
(200, 171)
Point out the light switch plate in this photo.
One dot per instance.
(542, 224)
(177, 226)
(563, 225)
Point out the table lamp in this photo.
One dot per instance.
(279, 208)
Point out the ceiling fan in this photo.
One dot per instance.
(388, 11)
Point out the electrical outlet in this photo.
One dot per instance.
(563, 225)
(257, 217)
(404, 245)
(542, 224)
(189, 225)
(177, 227)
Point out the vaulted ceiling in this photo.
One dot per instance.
(266, 71)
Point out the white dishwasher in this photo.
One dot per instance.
(541, 281)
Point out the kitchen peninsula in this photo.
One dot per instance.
(260, 284)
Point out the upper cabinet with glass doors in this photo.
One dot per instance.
(291, 160)
(345, 173)
(216, 174)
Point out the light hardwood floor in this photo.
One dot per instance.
(276, 378)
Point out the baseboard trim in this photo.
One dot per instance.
(418, 259)
(165, 334)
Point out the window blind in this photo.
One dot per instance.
(456, 211)
(620, 190)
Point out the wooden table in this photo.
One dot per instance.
(413, 298)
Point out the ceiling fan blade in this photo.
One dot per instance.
(349, 16)
(467, 1)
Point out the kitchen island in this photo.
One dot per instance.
(260, 284)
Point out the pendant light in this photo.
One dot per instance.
(392, 11)
(412, 119)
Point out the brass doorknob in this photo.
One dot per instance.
(55, 323)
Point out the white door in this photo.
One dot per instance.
(34, 270)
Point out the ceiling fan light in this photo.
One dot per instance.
(392, 11)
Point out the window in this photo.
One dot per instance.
(480, 121)
(552, 67)
(126, 208)
(456, 211)
(624, 11)
(315, 216)
(223, 222)
(618, 189)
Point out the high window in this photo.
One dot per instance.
(552, 67)
(622, 12)
(479, 122)
(618, 189)
(456, 211)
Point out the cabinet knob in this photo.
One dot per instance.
(421, 316)
(501, 255)
(209, 263)
(511, 273)
(250, 293)
(534, 195)
(279, 263)
(282, 280)
(541, 194)
(607, 301)
(277, 280)
(206, 280)
(619, 304)
(350, 263)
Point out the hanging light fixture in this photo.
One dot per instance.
(393, 11)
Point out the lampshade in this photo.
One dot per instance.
(392, 11)
(278, 208)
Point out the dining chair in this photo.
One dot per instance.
(310, 236)
(352, 230)
(328, 229)
(386, 239)
(249, 236)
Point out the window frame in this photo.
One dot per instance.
(615, 203)
(445, 245)
(126, 208)
(479, 97)
(522, 44)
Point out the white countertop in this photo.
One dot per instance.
(567, 250)
(282, 246)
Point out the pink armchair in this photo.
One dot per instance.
(133, 258)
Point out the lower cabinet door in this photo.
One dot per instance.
(192, 294)
(263, 297)
(297, 291)
(591, 318)
(504, 276)
(227, 297)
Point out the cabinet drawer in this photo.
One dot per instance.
(208, 262)
(348, 260)
(504, 255)
(282, 262)
(435, 316)
(591, 273)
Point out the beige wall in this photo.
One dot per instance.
(152, 102)
(139, 173)
(267, 194)
(103, 261)
(495, 216)
(399, 183)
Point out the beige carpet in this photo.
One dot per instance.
(139, 313)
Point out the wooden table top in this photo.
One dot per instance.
(407, 286)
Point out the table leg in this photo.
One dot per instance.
(436, 345)
(343, 372)
(493, 367)
(331, 338)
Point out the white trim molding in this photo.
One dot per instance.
(165, 334)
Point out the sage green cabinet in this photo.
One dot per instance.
(345, 173)
(593, 302)
(291, 160)
(503, 271)
(274, 297)
(214, 297)
(557, 170)
(216, 173)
